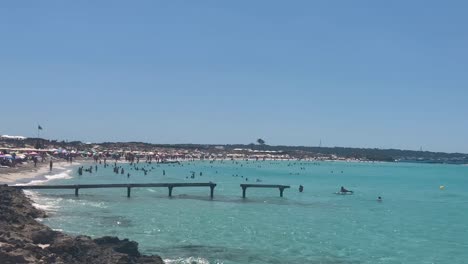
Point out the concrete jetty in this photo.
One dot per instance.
(280, 187)
(129, 186)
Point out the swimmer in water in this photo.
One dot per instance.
(343, 190)
(379, 199)
(301, 188)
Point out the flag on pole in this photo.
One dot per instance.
(39, 127)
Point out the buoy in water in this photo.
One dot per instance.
(442, 187)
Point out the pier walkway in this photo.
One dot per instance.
(280, 187)
(129, 186)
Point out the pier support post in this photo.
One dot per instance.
(170, 191)
(281, 191)
(212, 191)
(128, 192)
(76, 191)
(243, 191)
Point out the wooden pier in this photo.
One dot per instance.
(280, 187)
(170, 186)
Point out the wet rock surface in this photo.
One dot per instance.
(24, 240)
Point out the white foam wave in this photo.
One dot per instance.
(61, 175)
(190, 260)
(42, 202)
(85, 203)
(46, 203)
(46, 207)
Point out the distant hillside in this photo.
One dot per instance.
(294, 151)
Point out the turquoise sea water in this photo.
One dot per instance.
(416, 222)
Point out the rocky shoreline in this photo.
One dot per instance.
(25, 240)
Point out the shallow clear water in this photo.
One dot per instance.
(416, 222)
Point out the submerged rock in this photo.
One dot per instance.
(24, 240)
(122, 246)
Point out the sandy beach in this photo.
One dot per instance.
(26, 171)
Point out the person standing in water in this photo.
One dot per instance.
(301, 188)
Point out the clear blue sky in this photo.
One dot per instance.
(386, 74)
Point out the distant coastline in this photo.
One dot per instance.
(236, 151)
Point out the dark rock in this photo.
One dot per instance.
(150, 259)
(43, 236)
(12, 258)
(122, 246)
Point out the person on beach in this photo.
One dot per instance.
(51, 164)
